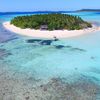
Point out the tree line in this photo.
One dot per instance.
(52, 21)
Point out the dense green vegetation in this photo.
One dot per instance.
(52, 21)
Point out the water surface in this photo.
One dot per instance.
(30, 68)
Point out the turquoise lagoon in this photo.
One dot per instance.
(38, 61)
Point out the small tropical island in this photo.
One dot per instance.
(50, 26)
(88, 10)
(50, 22)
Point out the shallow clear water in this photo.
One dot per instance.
(69, 59)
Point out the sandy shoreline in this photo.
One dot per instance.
(48, 34)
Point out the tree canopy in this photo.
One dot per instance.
(52, 21)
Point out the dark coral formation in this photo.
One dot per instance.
(4, 53)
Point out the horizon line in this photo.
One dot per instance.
(50, 10)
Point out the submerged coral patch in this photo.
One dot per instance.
(46, 42)
(4, 53)
(40, 42)
(78, 49)
(33, 40)
(59, 46)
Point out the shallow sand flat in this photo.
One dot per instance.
(14, 88)
(49, 34)
(55, 89)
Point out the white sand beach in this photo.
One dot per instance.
(49, 34)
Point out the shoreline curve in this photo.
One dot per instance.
(49, 34)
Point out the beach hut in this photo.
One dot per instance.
(43, 27)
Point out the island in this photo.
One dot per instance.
(88, 10)
(50, 22)
(50, 26)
